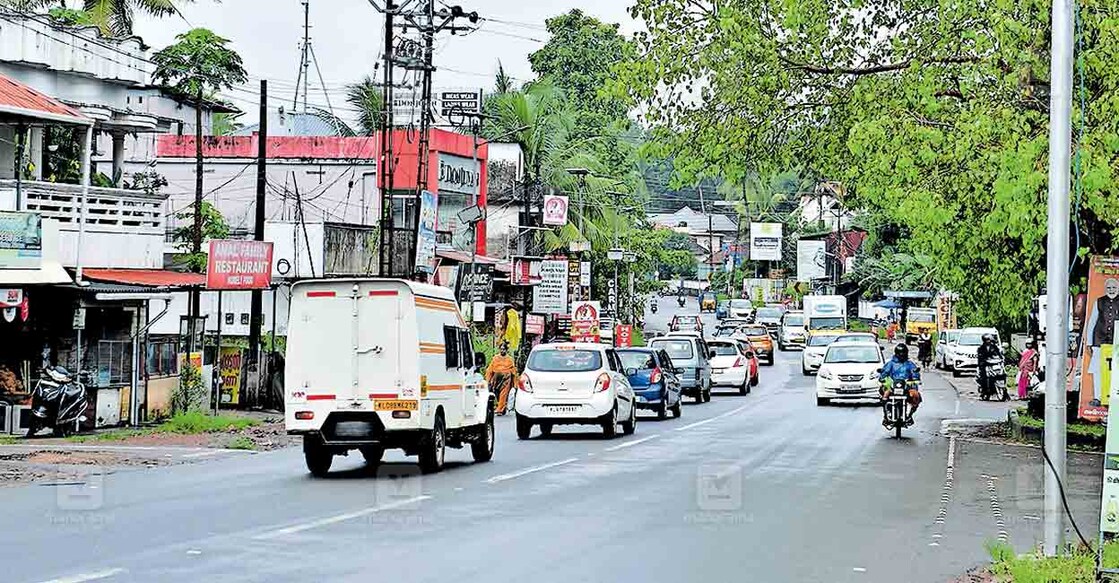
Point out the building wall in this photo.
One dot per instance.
(237, 303)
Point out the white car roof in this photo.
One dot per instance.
(571, 346)
(980, 330)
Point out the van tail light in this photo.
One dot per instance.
(304, 415)
(655, 376)
(526, 384)
(602, 383)
(739, 361)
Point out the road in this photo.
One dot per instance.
(765, 487)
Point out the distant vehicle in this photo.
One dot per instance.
(742, 309)
(691, 356)
(857, 337)
(825, 312)
(849, 371)
(355, 382)
(575, 383)
(770, 317)
(680, 323)
(964, 356)
(791, 333)
(918, 320)
(814, 350)
(707, 302)
(730, 367)
(944, 357)
(759, 338)
(654, 379)
(725, 331)
(722, 310)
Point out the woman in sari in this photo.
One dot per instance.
(501, 374)
(1027, 366)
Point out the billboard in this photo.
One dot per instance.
(236, 264)
(229, 370)
(765, 241)
(1098, 340)
(585, 321)
(21, 240)
(526, 271)
(812, 258)
(555, 209)
(475, 282)
(425, 232)
(550, 295)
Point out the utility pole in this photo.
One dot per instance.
(385, 164)
(196, 247)
(424, 153)
(305, 59)
(1057, 251)
(256, 309)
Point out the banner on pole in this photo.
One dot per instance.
(555, 209)
(585, 321)
(425, 232)
(765, 241)
(1097, 346)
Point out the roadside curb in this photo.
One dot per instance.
(1036, 435)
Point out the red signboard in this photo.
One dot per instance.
(237, 264)
(534, 324)
(623, 335)
(526, 271)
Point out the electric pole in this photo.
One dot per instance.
(1057, 251)
(385, 163)
(305, 59)
(256, 310)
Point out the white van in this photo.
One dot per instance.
(374, 364)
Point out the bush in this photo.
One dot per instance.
(198, 422)
(191, 393)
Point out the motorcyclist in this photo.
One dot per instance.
(924, 348)
(899, 368)
(680, 300)
(987, 352)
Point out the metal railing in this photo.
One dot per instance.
(107, 209)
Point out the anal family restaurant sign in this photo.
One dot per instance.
(237, 264)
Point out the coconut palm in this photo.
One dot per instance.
(115, 17)
(364, 98)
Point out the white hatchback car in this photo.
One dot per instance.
(850, 371)
(729, 366)
(574, 384)
(814, 350)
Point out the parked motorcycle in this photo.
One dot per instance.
(992, 379)
(58, 401)
(895, 405)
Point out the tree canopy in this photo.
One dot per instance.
(198, 63)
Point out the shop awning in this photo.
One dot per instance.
(158, 278)
(49, 273)
(20, 101)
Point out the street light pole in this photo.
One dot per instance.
(1057, 250)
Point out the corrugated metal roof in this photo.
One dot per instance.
(19, 99)
(160, 278)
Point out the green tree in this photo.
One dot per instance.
(115, 17)
(933, 116)
(213, 227)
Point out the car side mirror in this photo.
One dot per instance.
(749, 355)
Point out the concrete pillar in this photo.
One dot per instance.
(35, 152)
(118, 153)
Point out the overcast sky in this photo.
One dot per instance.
(347, 35)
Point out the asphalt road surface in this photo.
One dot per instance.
(762, 487)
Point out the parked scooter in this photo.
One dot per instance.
(58, 401)
(992, 379)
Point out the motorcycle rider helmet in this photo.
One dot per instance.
(58, 374)
(988, 338)
(902, 352)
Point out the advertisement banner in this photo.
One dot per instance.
(584, 321)
(1109, 503)
(475, 282)
(526, 271)
(765, 241)
(945, 313)
(555, 209)
(550, 295)
(574, 289)
(239, 264)
(425, 233)
(230, 371)
(585, 275)
(21, 240)
(812, 260)
(534, 324)
(1097, 343)
(623, 336)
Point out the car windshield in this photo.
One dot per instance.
(675, 348)
(741, 304)
(922, 318)
(638, 359)
(564, 360)
(853, 354)
(821, 340)
(753, 331)
(768, 313)
(794, 320)
(826, 323)
(685, 319)
(855, 338)
(726, 331)
(971, 339)
(951, 336)
(724, 349)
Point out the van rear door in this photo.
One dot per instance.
(379, 339)
(320, 345)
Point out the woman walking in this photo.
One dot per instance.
(500, 374)
(1027, 366)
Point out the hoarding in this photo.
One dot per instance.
(236, 264)
(550, 295)
(1098, 341)
(21, 240)
(534, 324)
(812, 260)
(765, 241)
(425, 232)
(555, 209)
(623, 336)
(475, 282)
(230, 373)
(526, 271)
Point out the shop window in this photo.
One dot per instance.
(244, 319)
(163, 358)
(113, 365)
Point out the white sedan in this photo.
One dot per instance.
(574, 384)
(850, 371)
(814, 350)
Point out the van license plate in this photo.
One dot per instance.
(395, 405)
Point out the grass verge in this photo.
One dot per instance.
(198, 422)
(9, 439)
(1085, 429)
(241, 442)
(1078, 567)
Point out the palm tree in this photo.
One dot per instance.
(115, 17)
(364, 97)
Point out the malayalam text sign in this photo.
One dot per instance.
(238, 264)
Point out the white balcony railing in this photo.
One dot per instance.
(123, 228)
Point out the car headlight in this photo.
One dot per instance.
(826, 374)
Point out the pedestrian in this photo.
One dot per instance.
(500, 374)
(1027, 366)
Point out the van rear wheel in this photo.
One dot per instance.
(434, 448)
(482, 448)
(317, 456)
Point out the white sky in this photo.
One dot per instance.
(346, 36)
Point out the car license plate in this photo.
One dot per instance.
(395, 405)
(562, 408)
(718, 370)
(850, 388)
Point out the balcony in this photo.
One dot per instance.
(123, 228)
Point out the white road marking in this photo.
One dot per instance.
(632, 443)
(95, 576)
(957, 406)
(338, 518)
(526, 471)
(203, 454)
(715, 418)
(859, 569)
